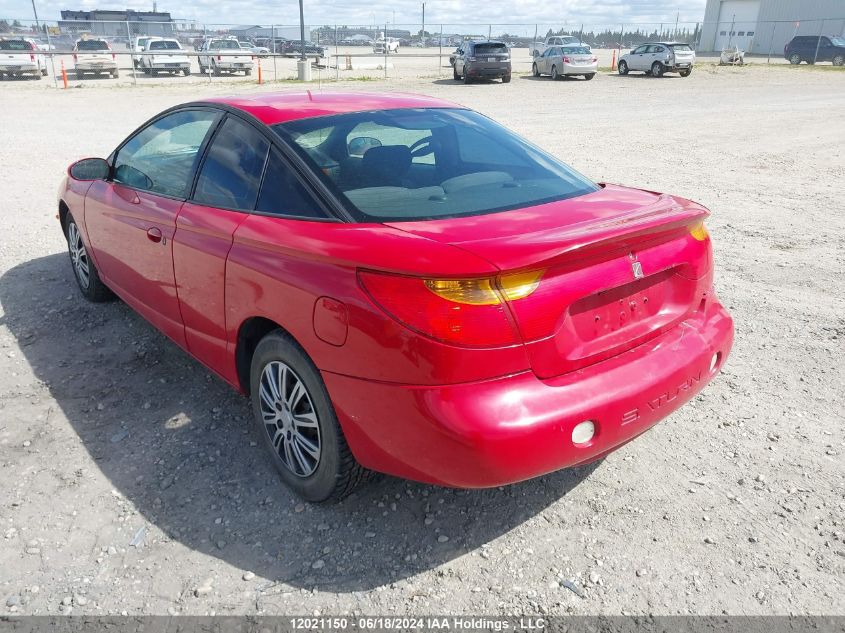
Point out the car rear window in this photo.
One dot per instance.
(490, 48)
(415, 164)
(680, 47)
(92, 45)
(225, 45)
(164, 45)
(15, 45)
(575, 50)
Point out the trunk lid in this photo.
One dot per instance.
(619, 266)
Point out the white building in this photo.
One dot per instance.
(765, 26)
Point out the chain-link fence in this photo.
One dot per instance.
(137, 50)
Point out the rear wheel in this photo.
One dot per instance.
(84, 269)
(43, 72)
(115, 74)
(534, 70)
(657, 69)
(247, 72)
(623, 68)
(296, 419)
(589, 76)
(554, 74)
(506, 79)
(186, 72)
(455, 74)
(80, 74)
(685, 73)
(795, 59)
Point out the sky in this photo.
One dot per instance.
(569, 13)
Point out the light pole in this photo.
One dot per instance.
(302, 66)
(35, 11)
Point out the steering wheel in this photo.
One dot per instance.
(422, 147)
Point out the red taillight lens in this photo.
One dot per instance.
(565, 60)
(466, 312)
(32, 57)
(114, 55)
(219, 57)
(75, 57)
(595, 59)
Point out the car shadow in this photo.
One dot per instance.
(179, 444)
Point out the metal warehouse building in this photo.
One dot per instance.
(764, 26)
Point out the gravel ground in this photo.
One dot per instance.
(131, 481)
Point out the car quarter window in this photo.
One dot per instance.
(283, 194)
(161, 157)
(231, 172)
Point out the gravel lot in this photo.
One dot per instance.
(130, 479)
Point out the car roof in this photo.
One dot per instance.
(280, 107)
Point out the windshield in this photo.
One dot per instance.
(225, 45)
(14, 45)
(838, 41)
(680, 47)
(575, 50)
(92, 45)
(415, 164)
(169, 45)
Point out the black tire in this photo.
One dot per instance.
(794, 59)
(506, 79)
(80, 74)
(467, 80)
(534, 71)
(686, 73)
(657, 69)
(589, 76)
(187, 72)
(202, 69)
(93, 289)
(455, 74)
(43, 72)
(215, 70)
(335, 473)
(839, 60)
(554, 74)
(622, 68)
(38, 76)
(247, 72)
(115, 74)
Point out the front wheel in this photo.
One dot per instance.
(534, 70)
(589, 76)
(839, 60)
(623, 68)
(247, 72)
(84, 270)
(296, 419)
(555, 76)
(455, 74)
(657, 69)
(795, 59)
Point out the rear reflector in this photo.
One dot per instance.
(583, 432)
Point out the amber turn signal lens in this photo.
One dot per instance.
(699, 232)
(520, 285)
(476, 292)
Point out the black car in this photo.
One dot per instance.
(294, 48)
(815, 48)
(483, 60)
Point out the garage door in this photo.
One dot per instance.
(737, 24)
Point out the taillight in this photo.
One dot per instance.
(595, 59)
(699, 232)
(114, 55)
(75, 57)
(472, 59)
(565, 59)
(467, 312)
(32, 57)
(219, 57)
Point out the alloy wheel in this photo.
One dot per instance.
(78, 255)
(289, 418)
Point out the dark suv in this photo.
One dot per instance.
(815, 48)
(483, 60)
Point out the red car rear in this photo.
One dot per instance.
(401, 285)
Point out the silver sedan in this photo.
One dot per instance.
(566, 61)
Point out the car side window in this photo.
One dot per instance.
(658, 49)
(640, 50)
(283, 194)
(161, 157)
(231, 172)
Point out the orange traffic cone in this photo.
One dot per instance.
(64, 74)
(259, 72)
(613, 61)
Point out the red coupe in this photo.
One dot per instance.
(401, 285)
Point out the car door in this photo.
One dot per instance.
(638, 61)
(825, 50)
(226, 191)
(131, 218)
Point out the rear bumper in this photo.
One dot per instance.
(23, 67)
(96, 66)
(502, 70)
(517, 427)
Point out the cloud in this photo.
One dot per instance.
(404, 13)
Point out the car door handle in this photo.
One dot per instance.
(154, 234)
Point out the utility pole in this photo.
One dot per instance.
(677, 17)
(422, 33)
(303, 66)
(35, 11)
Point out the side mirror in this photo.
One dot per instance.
(90, 169)
(359, 146)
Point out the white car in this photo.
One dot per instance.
(19, 57)
(138, 46)
(566, 61)
(387, 45)
(166, 56)
(94, 56)
(224, 55)
(657, 58)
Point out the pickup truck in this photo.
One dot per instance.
(138, 46)
(94, 56)
(166, 56)
(21, 57)
(224, 55)
(535, 49)
(388, 45)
